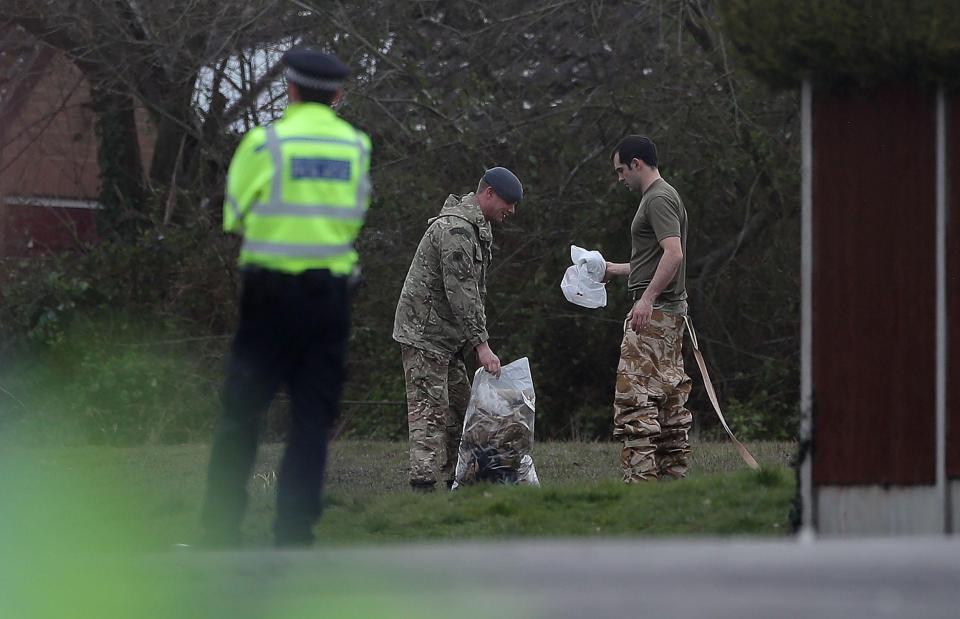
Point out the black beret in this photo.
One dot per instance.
(313, 69)
(505, 183)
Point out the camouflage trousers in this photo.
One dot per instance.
(649, 415)
(438, 392)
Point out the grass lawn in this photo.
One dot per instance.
(149, 497)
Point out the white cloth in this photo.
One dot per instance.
(582, 283)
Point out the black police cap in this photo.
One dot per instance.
(312, 69)
(505, 183)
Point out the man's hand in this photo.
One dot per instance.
(639, 314)
(488, 360)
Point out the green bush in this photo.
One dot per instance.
(180, 272)
(862, 43)
(115, 382)
(123, 342)
(763, 413)
(137, 395)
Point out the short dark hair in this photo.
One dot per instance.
(636, 147)
(315, 95)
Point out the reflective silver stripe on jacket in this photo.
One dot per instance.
(302, 210)
(296, 250)
(363, 183)
(312, 138)
(235, 207)
(277, 207)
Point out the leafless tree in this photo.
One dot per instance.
(449, 87)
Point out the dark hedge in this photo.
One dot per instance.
(863, 43)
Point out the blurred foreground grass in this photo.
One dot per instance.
(153, 494)
(90, 532)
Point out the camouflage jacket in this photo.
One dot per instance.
(441, 307)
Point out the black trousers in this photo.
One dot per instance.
(293, 330)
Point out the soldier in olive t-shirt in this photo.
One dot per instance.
(660, 215)
(649, 412)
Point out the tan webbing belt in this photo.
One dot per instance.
(747, 457)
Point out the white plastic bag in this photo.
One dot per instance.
(582, 283)
(498, 428)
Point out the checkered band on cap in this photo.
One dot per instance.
(312, 82)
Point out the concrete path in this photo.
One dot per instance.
(904, 578)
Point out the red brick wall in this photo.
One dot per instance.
(32, 229)
(48, 149)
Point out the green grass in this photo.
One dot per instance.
(152, 495)
(709, 505)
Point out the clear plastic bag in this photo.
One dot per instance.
(498, 428)
(582, 283)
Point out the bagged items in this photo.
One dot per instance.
(582, 283)
(498, 428)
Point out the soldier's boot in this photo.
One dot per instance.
(423, 487)
(637, 461)
(671, 455)
(448, 469)
(672, 465)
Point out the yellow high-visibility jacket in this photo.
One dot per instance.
(298, 191)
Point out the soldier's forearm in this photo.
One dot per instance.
(617, 269)
(474, 330)
(666, 269)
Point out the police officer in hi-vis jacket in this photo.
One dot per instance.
(297, 192)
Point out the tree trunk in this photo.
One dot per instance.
(122, 191)
(176, 139)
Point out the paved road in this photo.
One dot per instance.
(904, 578)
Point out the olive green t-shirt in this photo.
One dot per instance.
(660, 215)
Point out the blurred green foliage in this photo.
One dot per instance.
(78, 541)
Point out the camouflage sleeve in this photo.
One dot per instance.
(458, 247)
